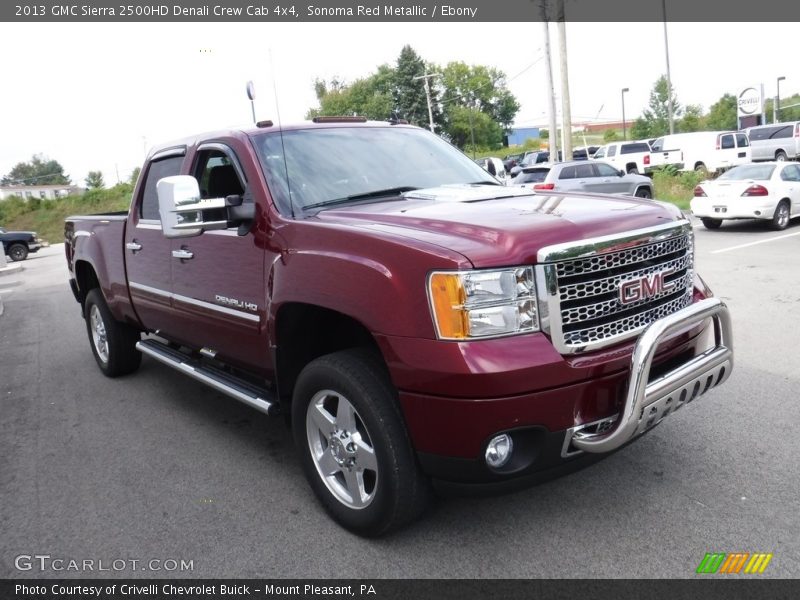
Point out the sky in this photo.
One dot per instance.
(95, 96)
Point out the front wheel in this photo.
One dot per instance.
(709, 223)
(353, 444)
(18, 252)
(643, 193)
(780, 220)
(113, 343)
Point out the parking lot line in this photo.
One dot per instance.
(780, 237)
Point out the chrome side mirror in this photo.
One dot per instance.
(184, 214)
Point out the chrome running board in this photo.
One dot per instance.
(228, 384)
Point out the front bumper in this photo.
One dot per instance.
(34, 247)
(668, 365)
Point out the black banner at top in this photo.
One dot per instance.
(265, 11)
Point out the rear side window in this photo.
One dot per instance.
(158, 169)
(634, 148)
(567, 173)
(783, 132)
(583, 171)
(791, 173)
(726, 142)
(658, 145)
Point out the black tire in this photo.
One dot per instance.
(643, 192)
(782, 216)
(632, 170)
(710, 223)
(780, 156)
(391, 490)
(700, 168)
(18, 252)
(113, 343)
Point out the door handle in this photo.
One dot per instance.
(182, 254)
(133, 246)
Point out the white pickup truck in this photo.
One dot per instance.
(661, 156)
(630, 157)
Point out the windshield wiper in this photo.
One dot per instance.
(365, 196)
(484, 183)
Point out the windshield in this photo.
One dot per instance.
(761, 172)
(331, 165)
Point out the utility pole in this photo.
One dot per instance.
(566, 113)
(425, 78)
(551, 94)
(669, 78)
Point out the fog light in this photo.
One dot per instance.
(499, 450)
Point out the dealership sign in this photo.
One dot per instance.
(750, 102)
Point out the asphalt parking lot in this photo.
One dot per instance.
(156, 466)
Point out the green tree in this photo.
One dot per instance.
(693, 119)
(480, 87)
(611, 135)
(41, 170)
(94, 180)
(655, 118)
(408, 90)
(369, 97)
(544, 134)
(135, 176)
(722, 114)
(464, 122)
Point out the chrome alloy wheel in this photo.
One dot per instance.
(342, 450)
(99, 338)
(783, 215)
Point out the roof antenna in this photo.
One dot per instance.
(280, 130)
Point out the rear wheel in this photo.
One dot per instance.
(113, 343)
(700, 168)
(780, 156)
(644, 192)
(780, 220)
(633, 169)
(353, 444)
(18, 252)
(709, 223)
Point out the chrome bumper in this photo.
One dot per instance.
(646, 404)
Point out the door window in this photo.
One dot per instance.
(605, 170)
(612, 151)
(741, 140)
(217, 175)
(158, 169)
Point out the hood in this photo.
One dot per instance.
(499, 225)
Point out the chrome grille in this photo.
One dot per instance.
(583, 281)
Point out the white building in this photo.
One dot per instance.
(44, 192)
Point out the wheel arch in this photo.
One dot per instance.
(304, 332)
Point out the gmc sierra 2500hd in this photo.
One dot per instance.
(416, 320)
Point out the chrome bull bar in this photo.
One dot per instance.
(646, 404)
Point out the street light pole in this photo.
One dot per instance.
(776, 110)
(624, 132)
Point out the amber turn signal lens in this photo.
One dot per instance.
(447, 298)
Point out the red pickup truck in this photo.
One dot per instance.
(414, 320)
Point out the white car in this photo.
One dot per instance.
(768, 190)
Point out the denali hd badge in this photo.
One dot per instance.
(235, 302)
(648, 286)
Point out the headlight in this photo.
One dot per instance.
(477, 304)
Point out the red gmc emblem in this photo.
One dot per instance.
(634, 290)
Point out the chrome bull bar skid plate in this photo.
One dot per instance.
(646, 404)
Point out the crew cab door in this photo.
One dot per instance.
(147, 251)
(219, 296)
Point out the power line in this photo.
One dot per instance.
(20, 181)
